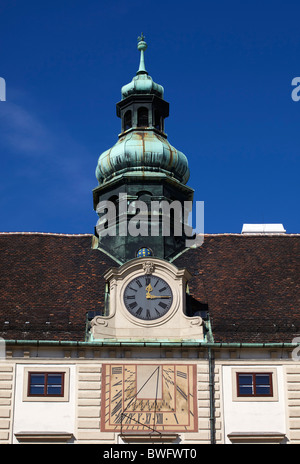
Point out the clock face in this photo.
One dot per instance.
(149, 398)
(148, 297)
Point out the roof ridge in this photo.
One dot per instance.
(46, 233)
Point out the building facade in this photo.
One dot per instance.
(124, 337)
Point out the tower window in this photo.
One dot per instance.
(127, 120)
(157, 120)
(143, 117)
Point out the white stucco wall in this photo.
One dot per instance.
(31, 416)
(252, 416)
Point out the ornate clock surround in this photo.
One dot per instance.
(121, 324)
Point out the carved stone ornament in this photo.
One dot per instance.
(148, 267)
(147, 302)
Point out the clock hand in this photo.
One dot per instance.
(149, 289)
(151, 297)
(148, 296)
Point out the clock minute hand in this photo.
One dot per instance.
(154, 296)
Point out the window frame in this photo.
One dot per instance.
(254, 385)
(254, 370)
(64, 397)
(46, 373)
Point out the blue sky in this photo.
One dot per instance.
(226, 66)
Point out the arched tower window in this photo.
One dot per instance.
(143, 117)
(127, 120)
(157, 120)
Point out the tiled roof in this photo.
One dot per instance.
(48, 282)
(250, 285)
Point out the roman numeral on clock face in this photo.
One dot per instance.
(139, 311)
(162, 289)
(133, 305)
(162, 305)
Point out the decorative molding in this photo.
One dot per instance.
(43, 437)
(148, 267)
(256, 437)
(149, 437)
(121, 324)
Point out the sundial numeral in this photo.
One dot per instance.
(130, 297)
(116, 370)
(162, 289)
(159, 418)
(148, 418)
(139, 283)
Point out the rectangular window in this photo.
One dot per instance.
(254, 384)
(46, 384)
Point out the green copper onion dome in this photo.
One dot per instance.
(142, 149)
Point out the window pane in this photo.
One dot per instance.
(263, 384)
(262, 379)
(37, 379)
(54, 384)
(246, 390)
(36, 390)
(263, 390)
(245, 379)
(245, 384)
(37, 384)
(54, 390)
(54, 379)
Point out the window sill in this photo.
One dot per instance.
(44, 437)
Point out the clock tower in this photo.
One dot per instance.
(147, 294)
(142, 198)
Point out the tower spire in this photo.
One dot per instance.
(142, 46)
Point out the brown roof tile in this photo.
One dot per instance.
(48, 283)
(250, 285)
